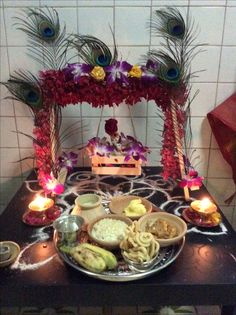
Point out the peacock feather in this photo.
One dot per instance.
(47, 41)
(173, 66)
(178, 47)
(93, 51)
(24, 87)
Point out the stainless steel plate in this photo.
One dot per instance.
(167, 256)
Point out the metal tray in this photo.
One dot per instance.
(125, 272)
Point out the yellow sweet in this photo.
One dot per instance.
(135, 208)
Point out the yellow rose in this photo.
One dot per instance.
(98, 73)
(135, 72)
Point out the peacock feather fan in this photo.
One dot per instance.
(24, 87)
(47, 41)
(93, 51)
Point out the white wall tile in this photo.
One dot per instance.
(220, 189)
(90, 130)
(125, 125)
(22, 110)
(207, 3)
(96, 22)
(8, 137)
(134, 33)
(231, 3)
(153, 134)
(58, 3)
(6, 106)
(2, 30)
(28, 164)
(9, 167)
(133, 3)
(153, 109)
(154, 158)
(72, 127)
(224, 91)
(228, 212)
(139, 109)
(218, 167)
(15, 37)
(228, 65)
(204, 102)
(71, 110)
(210, 22)
(68, 17)
(201, 132)
(170, 2)
(208, 61)
(95, 3)
(21, 3)
(230, 32)
(4, 73)
(199, 160)
(133, 55)
(135, 110)
(25, 125)
(26, 63)
(89, 111)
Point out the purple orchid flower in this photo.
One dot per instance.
(76, 70)
(149, 71)
(68, 160)
(134, 149)
(101, 147)
(118, 72)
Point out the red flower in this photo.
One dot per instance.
(111, 127)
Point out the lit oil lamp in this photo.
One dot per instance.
(41, 204)
(41, 211)
(202, 213)
(203, 207)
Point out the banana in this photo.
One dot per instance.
(88, 259)
(109, 258)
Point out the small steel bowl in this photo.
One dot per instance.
(141, 267)
(67, 228)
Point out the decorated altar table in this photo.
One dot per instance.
(203, 274)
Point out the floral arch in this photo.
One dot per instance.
(104, 80)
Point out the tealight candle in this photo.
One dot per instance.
(204, 206)
(41, 204)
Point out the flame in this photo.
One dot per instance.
(40, 203)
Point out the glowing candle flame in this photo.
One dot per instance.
(40, 203)
(204, 206)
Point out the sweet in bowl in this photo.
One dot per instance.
(168, 229)
(108, 230)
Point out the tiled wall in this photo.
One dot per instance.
(129, 21)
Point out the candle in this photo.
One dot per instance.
(41, 203)
(204, 206)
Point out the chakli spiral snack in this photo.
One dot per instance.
(138, 246)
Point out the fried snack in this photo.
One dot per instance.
(138, 246)
(161, 229)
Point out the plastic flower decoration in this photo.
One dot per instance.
(120, 144)
(192, 180)
(68, 160)
(135, 72)
(100, 147)
(51, 185)
(118, 72)
(98, 73)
